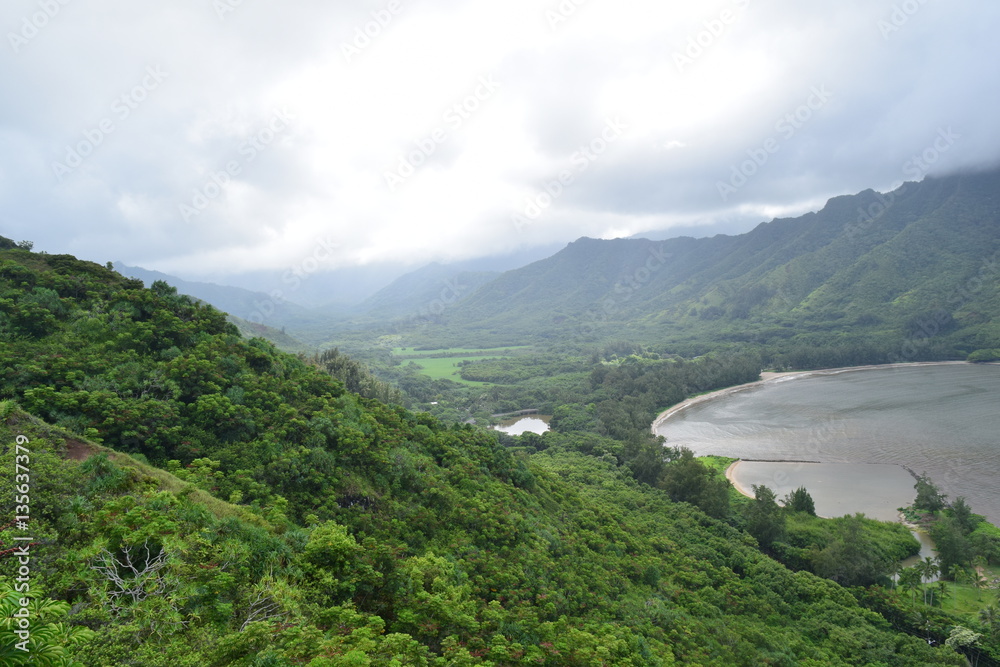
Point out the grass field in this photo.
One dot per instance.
(718, 463)
(414, 353)
(445, 368)
(964, 599)
(443, 364)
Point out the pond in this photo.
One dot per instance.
(519, 425)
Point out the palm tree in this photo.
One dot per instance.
(958, 573)
(990, 617)
(894, 569)
(909, 580)
(52, 640)
(979, 580)
(926, 624)
(928, 568)
(942, 592)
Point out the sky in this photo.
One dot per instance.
(210, 138)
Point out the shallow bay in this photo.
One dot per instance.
(877, 490)
(942, 419)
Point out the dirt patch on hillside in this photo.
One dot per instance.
(77, 450)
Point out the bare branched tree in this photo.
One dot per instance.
(262, 605)
(262, 608)
(134, 575)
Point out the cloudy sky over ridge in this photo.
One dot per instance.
(203, 137)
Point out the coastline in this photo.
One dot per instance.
(731, 476)
(733, 471)
(770, 377)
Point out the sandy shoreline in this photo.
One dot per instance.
(747, 491)
(771, 377)
(731, 476)
(731, 473)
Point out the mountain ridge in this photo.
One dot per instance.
(861, 258)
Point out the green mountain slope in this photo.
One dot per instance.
(424, 293)
(917, 266)
(279, 337)
(258, 307)
(585, 567)
(347, 531)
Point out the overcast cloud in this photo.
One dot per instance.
(206, 137)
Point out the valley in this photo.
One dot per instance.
(456, 334)
(346, 498)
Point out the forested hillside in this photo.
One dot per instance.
(906, 275)
(341, 530)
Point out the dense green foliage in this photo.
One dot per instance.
(929, 497)
(616, 391)
(851, 550)
(357, 378)
(357, 532)
(963, 539)
(506, 576)
(799, 500)
(686, 479)
(764, 518)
